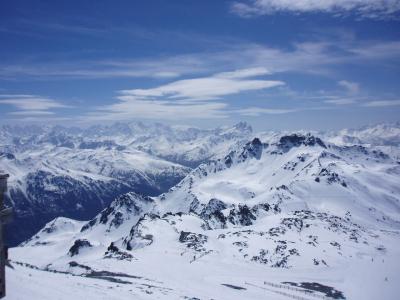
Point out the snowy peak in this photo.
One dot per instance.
(296, 140)
(239, 129)
(53, 232)
(255, 148)
(281, 175)
(252, 149)
(384, 134)
(244, 127)
(75, 173)
(311, 208)
(124, 208)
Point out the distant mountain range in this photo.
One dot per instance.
(58, 171)
(278, 214)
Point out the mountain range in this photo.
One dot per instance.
(304, 215)
(58, 171)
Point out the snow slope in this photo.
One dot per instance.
(384, 134)
(294, 217)
(58, 171)
(54, 181)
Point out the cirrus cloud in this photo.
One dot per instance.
(376, 9)
(208, 88)
(185, 99)
(351, 87)
(382, 103)
(258, 111)
(31, 105)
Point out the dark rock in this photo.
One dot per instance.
(112, 248)
(242, 215)
(8, 156)
(212, 214)
(296, 140)
(78, 245)
(252, 149)
(194, 241)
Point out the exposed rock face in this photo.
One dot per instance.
(113, 252)
(78, 246)
(125, 207)
(138, 238)
(212, 214)
(296, 140)
(252, 149)
(241, 216)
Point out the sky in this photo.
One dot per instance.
(277, 64)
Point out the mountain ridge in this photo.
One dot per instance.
(76, 172)
(296, 202)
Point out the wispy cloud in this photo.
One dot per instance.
(40, 119)
(376, 9)
(131, 108)
(341, 101)
(185, 99)
(161, 68)
(305, 57)
(15, 96)
(382, 103)
(206, 88)
(351, 87)
(244, 73)
(31, 113)
(258, 111)
(365, 101)
(31, 105)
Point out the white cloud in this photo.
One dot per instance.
(31, 105)
(244, 73)
(351, 87)
(207, 88)
(30, 102)
(383, 103)
(307, 57)
(31, 113)
(257, 111)
(161, 67)
(185, 99)
(131, 107)
(364, 8)
(15, 96)
(41, 119)
(248, 58)
(341, 101)
(375, 51)
(165, 74)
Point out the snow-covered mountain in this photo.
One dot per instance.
(59, 171)
(59, 182)
(384, 134)
(185, 145)
(288, 216)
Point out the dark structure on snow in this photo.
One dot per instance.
(5, 214)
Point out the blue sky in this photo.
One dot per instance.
(277, 64)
